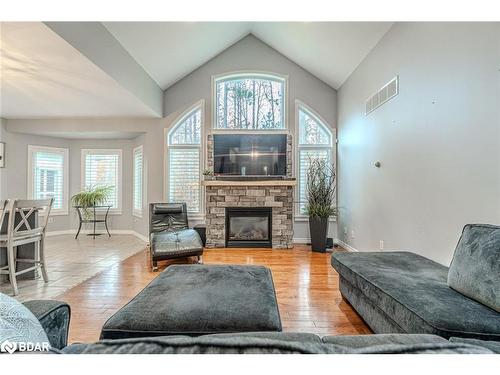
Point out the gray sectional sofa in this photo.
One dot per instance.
(402, 292)
(54, 317)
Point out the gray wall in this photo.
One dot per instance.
(252, 54)
(14, 177)
(438, 140)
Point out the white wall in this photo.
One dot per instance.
(438, 140)
(252, 54)
(3, 122)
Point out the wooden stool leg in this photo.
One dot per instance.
(11, 261)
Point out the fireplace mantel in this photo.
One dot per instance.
(288, 182)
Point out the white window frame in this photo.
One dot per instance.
(201, 147)
(65, 153)
(108, 151)
(249, 73)
(137, 212)
(296, 157)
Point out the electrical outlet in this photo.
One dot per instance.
(352, 234)
(345, 233)
(51, 220)
(381, 245)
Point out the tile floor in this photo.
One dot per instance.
(70, 262)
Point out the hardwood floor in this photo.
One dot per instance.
(306, 287)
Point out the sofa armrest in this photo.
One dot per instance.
(54, 316)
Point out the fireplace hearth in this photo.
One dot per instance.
(248, 227)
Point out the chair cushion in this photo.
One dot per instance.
(198, 299)
(475, 268)
(176, 243)
(19, 325)
(413, 292)
(494, 346)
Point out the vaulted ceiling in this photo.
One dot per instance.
(170, 50)
(119, 69)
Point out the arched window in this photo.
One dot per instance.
(184, 159)
(315, 141)
(249, 102)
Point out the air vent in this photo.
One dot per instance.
(386, 93)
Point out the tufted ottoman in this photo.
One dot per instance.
(197, 300)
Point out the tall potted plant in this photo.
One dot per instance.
(320, 205)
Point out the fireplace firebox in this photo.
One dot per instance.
(248, 227)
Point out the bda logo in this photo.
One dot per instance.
(8, 346)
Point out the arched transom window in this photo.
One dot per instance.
(249, 102)
(184, 160)
(315, 141)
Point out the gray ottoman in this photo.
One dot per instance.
(197, 300)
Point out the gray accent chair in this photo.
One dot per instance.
(402, 292)
(169, 233)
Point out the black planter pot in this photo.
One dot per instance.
(318, 227)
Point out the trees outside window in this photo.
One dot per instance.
(250, 102)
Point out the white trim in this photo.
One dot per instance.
(87, 231)
(201, 147)
(107, 151)
(137, 212)
(55, 150)
(296, 148)
(241, 73)
(345, 246)
(301, 240)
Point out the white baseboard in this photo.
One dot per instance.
(87, 231)
(345, 246)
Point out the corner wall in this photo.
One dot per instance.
(438, 140)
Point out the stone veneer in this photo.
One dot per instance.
(279, 198)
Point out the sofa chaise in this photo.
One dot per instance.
(402, 292)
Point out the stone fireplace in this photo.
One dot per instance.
(275, 196)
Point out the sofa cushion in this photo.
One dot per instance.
(19, 325)
(197, 300)
(260, 343)
(475, 268)
(413, 292)
(365, 341)
(494, 346)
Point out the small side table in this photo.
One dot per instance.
(93, 220)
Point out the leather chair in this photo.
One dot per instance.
(169, 234)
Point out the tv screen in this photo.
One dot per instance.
(250, 155)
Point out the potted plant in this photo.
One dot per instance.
(90, 197)
(320, 204)
(208, 174)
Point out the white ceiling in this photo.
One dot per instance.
(42, 76)
(169, 51)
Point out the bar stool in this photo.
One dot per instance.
(23, 233)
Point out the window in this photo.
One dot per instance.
(184, 160)
(103, 168)
(315, 141)
(249, 101)
(48, 176)
(138, 182)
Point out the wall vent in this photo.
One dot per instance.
(386, 93)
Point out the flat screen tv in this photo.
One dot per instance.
(250, 155)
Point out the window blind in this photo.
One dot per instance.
(48, 177)
(305, 156)
(103, 169)
(138, 183)
(184, 177)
